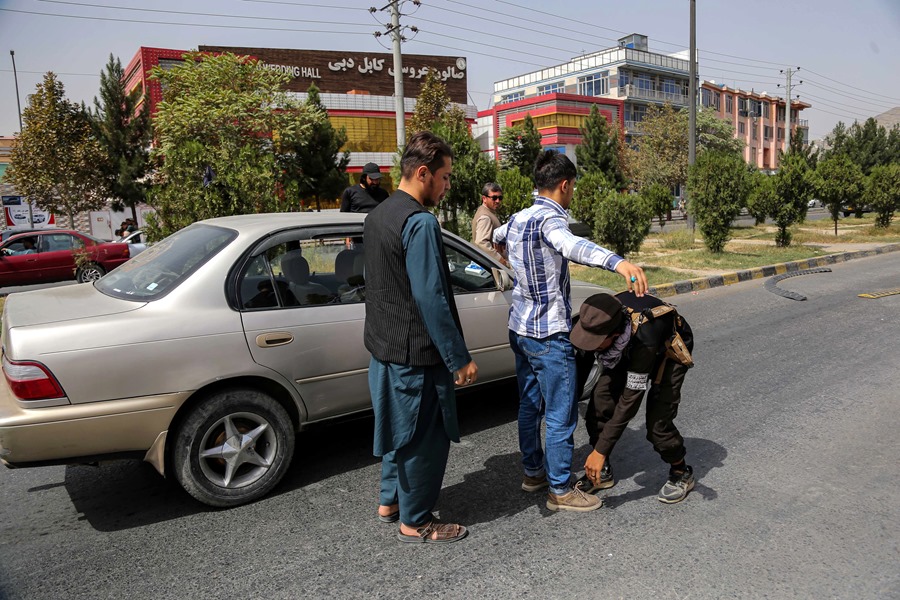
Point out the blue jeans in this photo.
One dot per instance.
(545, 369)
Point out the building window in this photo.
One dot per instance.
(624, 78)
(551, 88)
(595, 85)
(767, 132)
(779, 113)
(729, 103)
(754, 131)
(512, 97)
(743, 107)
(765, 110)
(709, 99)
(644, 82)
(742, 128)
(670, 86)
(781, 133)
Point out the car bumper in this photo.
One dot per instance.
(66, 433)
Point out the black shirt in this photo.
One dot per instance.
(358, 199)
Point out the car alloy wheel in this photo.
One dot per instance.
(90, 273)
(233, 447)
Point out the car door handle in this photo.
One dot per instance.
(272, 339)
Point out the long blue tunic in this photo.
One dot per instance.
(397, 390)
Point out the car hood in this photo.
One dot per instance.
(66, 303)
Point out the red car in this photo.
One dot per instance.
(48, 255)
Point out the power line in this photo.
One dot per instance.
(54, 72)
(144, 22)
(306, 4)
(835, 105)
(851, 86)
(880, 103)
(199, 14)
(467, 51)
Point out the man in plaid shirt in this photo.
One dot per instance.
(540, 245)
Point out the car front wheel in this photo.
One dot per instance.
(233, 447)
(89, 273)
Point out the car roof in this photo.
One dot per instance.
(259, 224)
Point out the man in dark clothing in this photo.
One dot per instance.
(418, 352)
(633, 364)
(367, 195)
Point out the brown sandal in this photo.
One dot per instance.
(444, 533)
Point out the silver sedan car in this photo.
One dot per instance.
(230, 336)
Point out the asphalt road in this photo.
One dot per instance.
(791, 424)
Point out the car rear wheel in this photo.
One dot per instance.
(90, 272)
(233, 447)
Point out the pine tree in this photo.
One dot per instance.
(55, 158)
(431, 104)
(314, 166)
(122, 127)
(520, 146)
(598, 152)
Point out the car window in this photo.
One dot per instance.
(53, 242)
(467, 273)
(19, 245)
(163, 266)
(325, 270)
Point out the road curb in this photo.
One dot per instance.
(704, 283)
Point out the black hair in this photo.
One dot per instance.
(551, 168)
(424, 148)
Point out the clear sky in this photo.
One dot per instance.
(848, 50)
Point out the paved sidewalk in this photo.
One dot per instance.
(846, 252)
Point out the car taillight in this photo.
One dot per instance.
(31, 380)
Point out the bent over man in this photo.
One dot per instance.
(540, 247)
(632, 365)
(413, 332)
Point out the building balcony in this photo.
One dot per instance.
(632, 91)
(634, 127)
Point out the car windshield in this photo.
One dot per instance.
(162, 267)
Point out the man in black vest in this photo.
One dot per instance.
(418, 352)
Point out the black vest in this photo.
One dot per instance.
(395, 331)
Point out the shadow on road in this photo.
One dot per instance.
(635, 459)
(125, 494)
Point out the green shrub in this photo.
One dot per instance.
(621, 221)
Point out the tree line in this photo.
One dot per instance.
(228, 140)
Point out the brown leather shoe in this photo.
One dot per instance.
(574, 500)
(533, 484)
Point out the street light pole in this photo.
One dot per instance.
(692, 100)
(12, 54)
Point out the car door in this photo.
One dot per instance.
(483, 309)
(19, 269)
(57, 258)
(303, 313)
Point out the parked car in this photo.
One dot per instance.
(235, 333)
(53, 257)
(814, 203)
(134, 241)
(849, 209)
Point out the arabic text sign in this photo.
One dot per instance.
(371, 72)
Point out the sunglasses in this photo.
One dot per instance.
(495, 197)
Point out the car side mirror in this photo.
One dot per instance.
(502, 279)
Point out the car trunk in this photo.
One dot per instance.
(43, 307)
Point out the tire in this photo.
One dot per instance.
(257, 467)
(847, 213)
(90, 273)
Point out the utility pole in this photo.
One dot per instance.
(398, 74)
(12, 54)
(692, 102)
(787, 107)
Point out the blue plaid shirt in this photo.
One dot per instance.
(540, 246)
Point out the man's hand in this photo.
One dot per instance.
(634, 277)
(593, 465)
(467, 375)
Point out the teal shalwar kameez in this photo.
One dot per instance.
(415, 406)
